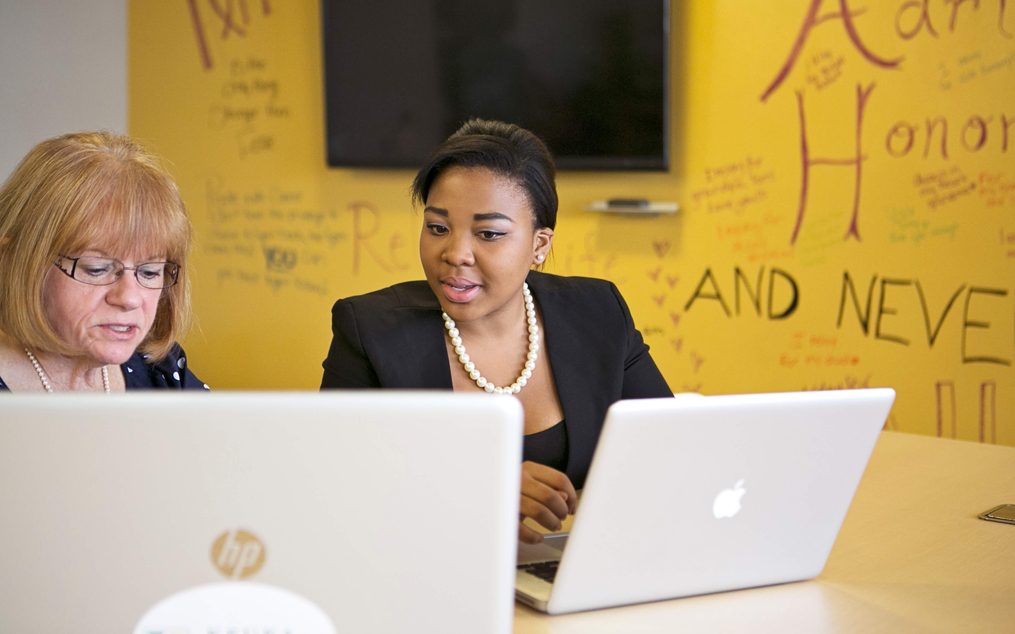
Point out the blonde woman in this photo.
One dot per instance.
(94, 292)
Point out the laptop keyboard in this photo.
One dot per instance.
(545, 570)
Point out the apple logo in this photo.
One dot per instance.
(727, 503)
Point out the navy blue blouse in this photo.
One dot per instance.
(171, 373)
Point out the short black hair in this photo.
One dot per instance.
(506, 150)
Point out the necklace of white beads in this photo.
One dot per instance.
(530, 361)
(45, 379)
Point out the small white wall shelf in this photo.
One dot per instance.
(633, 206)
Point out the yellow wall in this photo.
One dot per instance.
(231, 94)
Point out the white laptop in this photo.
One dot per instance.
(691, 496)
(258, 512)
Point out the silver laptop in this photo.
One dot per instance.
(691, 496)
(258, 512)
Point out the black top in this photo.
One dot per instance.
(547, 447)
(172, 373)
(394, 338)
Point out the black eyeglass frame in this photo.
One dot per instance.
(172, 270)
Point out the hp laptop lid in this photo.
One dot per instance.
(258, 512)
(692, 496)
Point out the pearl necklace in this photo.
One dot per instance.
(530, 362)
(45, 379)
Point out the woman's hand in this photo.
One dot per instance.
(547, 497)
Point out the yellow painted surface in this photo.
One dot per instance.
(231, 93)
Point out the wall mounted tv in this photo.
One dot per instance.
(588, 76)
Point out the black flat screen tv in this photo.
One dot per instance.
(590, 77)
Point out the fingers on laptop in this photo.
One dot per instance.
(547, 497)
(528, 535)
(542, 513)
(549, 487)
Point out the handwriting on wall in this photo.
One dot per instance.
(981, 339)
(1007, 240)
(734, 187)
(934, 137)
(996, 189)
(848, 382)
(906, 227)
(270, 237)
(249, 107)
(947, 399)
(943, 187)
(981, 315)
(390, 251)
(824, 68)
(933, 133)
(274, 237)
(220, 20)
(750, 293)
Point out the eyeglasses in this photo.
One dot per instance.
(106, 271)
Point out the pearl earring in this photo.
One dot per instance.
(539, 258)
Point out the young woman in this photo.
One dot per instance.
(483, 320)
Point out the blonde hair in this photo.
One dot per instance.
(91, 190)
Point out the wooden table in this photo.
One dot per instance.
(912, 556)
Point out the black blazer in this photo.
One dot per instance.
(394, 338)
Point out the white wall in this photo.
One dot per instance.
(63, 68)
